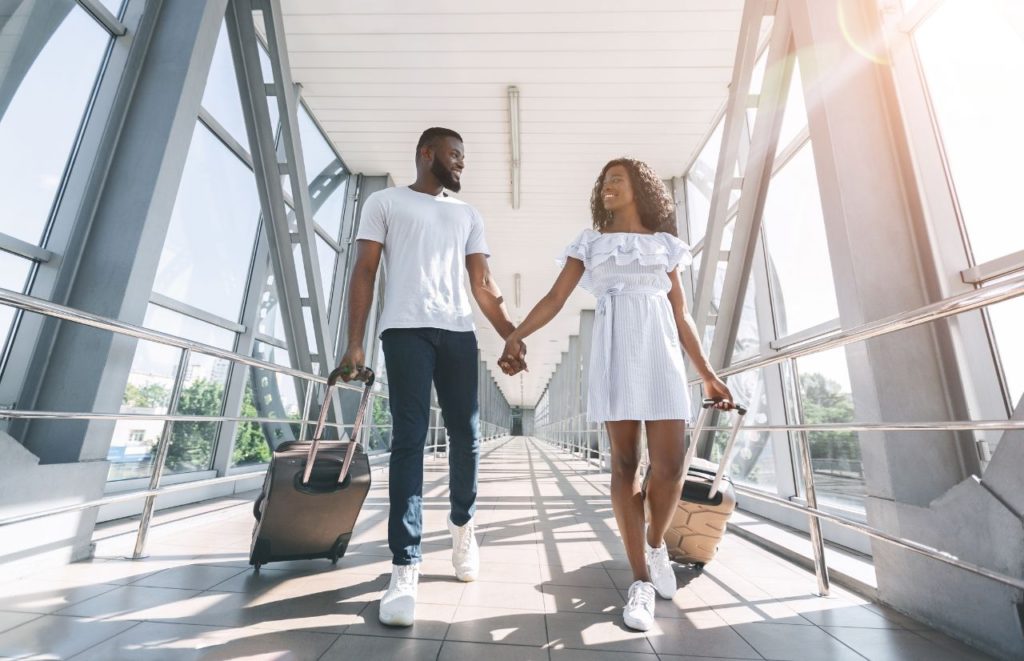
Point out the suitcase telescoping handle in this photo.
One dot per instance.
(365, 375)
(706, 406)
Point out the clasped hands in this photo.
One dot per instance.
(513, 358)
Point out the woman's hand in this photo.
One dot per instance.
(513, 358)
(715, 388)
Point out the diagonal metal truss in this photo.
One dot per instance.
(757, 172)
(732, 167)
(277, 158)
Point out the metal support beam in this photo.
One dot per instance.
(735, 125)
(754, 191)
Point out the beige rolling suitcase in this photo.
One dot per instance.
(707, 501)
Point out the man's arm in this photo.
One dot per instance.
(488, 296)
(360, 298)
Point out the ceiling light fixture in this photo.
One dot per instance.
(513, 115)
(517, 289)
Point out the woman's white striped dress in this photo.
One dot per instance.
(636, 362)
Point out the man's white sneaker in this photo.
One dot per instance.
(465, 552)
(398, 605)
(639, 611)
(660, 569)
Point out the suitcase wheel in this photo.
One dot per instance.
(698, 566)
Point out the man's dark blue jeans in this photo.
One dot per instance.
(415, 358)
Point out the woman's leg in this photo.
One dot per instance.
(627, 501)
(666, 447)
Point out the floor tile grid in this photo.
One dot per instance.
(574, 480)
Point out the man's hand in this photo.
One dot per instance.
(352, 363)
(513, 358)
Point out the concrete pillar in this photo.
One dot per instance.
(918, 484)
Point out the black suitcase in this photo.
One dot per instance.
(313, 492)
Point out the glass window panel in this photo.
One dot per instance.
(970, 52)
(700, 182)
(327, 257)
(380, 433)
(794, 116)
(798, 263)
(220, 98)
(267, 395)
(208, 250)
(748, 335)
(47, 47)
(14, 272)
(1007, 321)
(148, 390)
(752, 460)
(826, 396)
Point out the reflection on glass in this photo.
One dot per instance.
(220, 98)
(269, 317)
(47, 46)
(326, 175)
(971, 52)
(753, 461)
(206, 255)
(267, 395)
(825, 396)
(13, 274)
(148, 390)
(700, 182)
(798, 263)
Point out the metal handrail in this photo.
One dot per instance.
(152, 493)
(54, 310)
(954, 425)
(870, 531)
(50, 309)
(954, 305)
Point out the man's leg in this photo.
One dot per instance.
(409, 356)
(455, 377)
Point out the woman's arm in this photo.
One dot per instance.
(714, 387)
(542, 313)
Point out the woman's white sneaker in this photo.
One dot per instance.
(660, 568)
(465, 552)
(398, 605)
(639, 611)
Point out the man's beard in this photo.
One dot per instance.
(445, 176)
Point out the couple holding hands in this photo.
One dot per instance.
(431, 244)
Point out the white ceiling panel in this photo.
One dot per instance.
(597, 79)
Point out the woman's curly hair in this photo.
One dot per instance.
(656, 208)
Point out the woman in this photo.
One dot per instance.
(630, 261)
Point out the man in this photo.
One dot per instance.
(430, 241)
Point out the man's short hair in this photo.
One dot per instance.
(431, 135)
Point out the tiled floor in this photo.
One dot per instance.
(551, 587)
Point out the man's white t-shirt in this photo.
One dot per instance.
(426, 240)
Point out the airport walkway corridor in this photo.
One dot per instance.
(553, 580)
